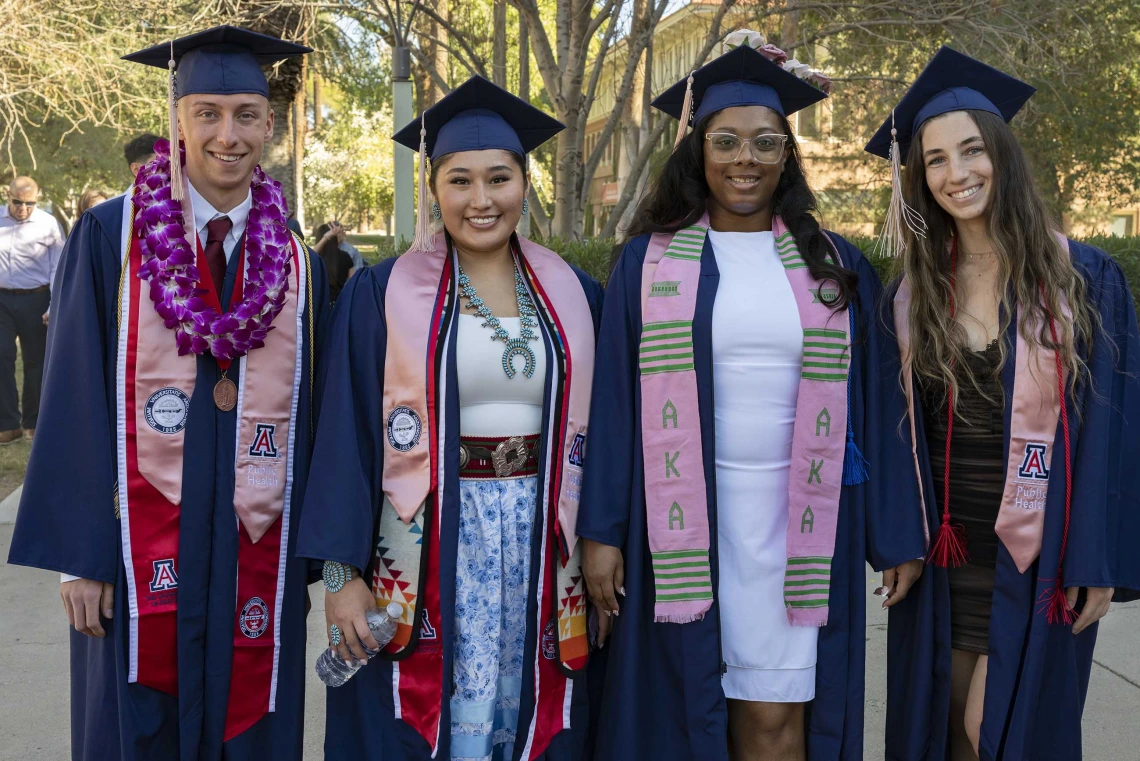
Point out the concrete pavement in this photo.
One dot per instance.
(34, 682)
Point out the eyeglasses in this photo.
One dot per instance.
(15, 202)
(725, 147)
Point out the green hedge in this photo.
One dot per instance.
(593, 255)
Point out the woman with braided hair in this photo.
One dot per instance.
(727, 512)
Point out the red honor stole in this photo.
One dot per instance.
(419, 306)
(154, 388)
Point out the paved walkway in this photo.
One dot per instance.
(34, 683)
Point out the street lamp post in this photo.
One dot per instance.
(401, 115)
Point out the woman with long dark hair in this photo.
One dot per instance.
(454, 410)
(1021, 360)
(727, 511)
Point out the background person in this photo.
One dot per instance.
(139, 151)
(30, 244)
(338, 263)
(89, 198)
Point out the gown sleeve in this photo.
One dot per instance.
(607, 492)
(66, 521)
(1104, 529)
(895, 530)
(344, 494)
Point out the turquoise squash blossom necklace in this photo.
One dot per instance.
(527, 323)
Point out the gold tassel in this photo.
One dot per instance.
(686, 110)
(892, 241)
(176, 191)
(423, 238)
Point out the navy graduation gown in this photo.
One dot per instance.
(343, 517)
(67, 523)
(662, 694)
(1038, 673)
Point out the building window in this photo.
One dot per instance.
(1123, 224)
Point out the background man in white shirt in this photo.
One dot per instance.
(30, 244)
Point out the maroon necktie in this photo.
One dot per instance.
(216, 231)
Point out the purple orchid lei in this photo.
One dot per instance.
(169, 263)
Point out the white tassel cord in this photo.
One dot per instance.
(423, 238)
(686, 109)
(892, 240)
(176, 191)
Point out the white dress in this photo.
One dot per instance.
(757, 345)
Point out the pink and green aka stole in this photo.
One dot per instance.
(823, 458)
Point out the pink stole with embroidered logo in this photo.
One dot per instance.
(155, 386)
(1034, 415)
(418, 299)
(675, 491)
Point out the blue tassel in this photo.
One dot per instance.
(854, 464)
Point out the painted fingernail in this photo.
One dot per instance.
(622, 591)
(607, 612)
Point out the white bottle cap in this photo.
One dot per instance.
(394, 610)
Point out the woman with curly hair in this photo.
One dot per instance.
(727, 511)
(1022, 374)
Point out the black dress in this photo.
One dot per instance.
(977, 479)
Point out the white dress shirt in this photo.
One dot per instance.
(29, 250)
(204, 212)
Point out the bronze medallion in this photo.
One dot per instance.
(225, 394)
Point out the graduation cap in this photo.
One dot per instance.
(476, 116)
(951, 81)
(225, 60)
(479, 116)
(740, 77)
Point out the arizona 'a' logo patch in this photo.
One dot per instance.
(165, 578)
(427, 631)
(263, 441)
(577, 454)
(1033, 464)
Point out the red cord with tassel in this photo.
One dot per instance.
(1053, 601)
(949, 548)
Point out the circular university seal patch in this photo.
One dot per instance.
(166, 410)
(254, 618)
(404, 428)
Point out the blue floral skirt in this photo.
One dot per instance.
(492, 579)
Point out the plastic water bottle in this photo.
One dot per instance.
(334, 672)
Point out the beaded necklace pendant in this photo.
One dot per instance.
(516, 347)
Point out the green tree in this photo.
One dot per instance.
(348, 168)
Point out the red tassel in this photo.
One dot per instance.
(949, 548)
(1054, 602)
(1056, 606)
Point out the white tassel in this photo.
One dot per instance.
(423, 238)
(686, 110)
(176, 191)
(892, 241)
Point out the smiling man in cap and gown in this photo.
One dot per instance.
(175, 434)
